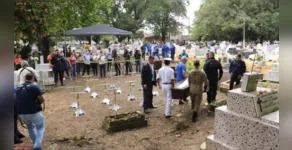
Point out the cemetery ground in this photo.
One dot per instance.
(66, 131)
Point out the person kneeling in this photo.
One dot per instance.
(196, 80)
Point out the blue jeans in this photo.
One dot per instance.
(36, 127)
(73, 70)
(102, 70)
(138, 67)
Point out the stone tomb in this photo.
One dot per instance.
(46, 73)
(248, 121)
(273, 74)
(250, 81)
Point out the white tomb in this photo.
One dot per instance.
(46, 72)
(249, 121)
(273, 74)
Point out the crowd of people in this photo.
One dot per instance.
(29, 102)
(199, 81)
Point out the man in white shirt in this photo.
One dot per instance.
(102, 59)
(165, 80)
(23, 71)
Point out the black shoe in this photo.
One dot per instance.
(167, 117)
(195, 117)
(62, 84)
(37, 149)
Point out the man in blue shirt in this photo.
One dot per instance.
(181, 71)
(164, 50)
(183, 54)
(156, 51)
(172, 51)
(149, 47)
(236, 69)
(28, 101)
(17, 135)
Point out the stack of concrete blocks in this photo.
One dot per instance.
(273, 74)
(239, 125)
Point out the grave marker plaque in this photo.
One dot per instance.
(267, 103)
(250, 81)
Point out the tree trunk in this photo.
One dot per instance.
(163, 36)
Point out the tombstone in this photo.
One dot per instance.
(48, 78)
(250, 81)
(273, 74)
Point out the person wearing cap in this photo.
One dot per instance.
(24, 70)
(58, 67)
(165, 80)
(236, 69)
(181, 73)
(196, 79)
(183, 54)
(211, 68)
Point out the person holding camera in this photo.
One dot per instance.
(29, 100)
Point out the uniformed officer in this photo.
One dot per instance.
(165, 80)
(196, 80)
(211, 68)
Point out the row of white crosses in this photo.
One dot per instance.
(94, 94)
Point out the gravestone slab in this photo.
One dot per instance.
(250, 81)
(273, 76)
(267, 103)
(275, 67)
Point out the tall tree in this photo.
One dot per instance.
(213, 22)
(161, 14)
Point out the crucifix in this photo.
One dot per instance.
(79, 111)
(260, 104)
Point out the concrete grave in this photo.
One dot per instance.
(250, 81)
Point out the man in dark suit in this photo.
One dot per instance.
(148, 77)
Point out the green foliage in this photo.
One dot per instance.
(267, 84)
(221, 20)
(36, 19)
(161, 14)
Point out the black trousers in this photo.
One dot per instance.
(234, 78)
(211, 94)
(143, 56)
(58, 73)
(94, 68)
(102, 70)
(128, 67)
(109, 64)
(118, 69)
(86, 67)
(148, 97)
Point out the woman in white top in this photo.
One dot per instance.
(102, 59)
(23, 71)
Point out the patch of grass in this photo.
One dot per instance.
(181, 126)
